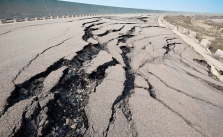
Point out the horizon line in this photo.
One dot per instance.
(142, 8)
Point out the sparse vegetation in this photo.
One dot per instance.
(216, 44)
(204, 26)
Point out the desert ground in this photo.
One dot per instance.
(104, 76)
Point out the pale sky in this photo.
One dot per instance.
(211, 6)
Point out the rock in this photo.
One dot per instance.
(219, 54)
(214, 71)
(192, 34)
(186, 31)
(181, 29)
(73, 126)
(67, 121)
(175, 28)
(205, 43)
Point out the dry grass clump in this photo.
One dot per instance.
(179, 20)
(216, 44)
(214, 24)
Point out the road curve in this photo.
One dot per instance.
(104, 76)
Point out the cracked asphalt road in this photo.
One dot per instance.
(105, 76)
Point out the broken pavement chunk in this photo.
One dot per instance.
(12, 121)
(100, 103)
(53, 78)
(205, 43)
(140, 82)
(219, 53)
(102, 58)
(192, 34)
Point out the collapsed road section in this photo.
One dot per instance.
(108, 76)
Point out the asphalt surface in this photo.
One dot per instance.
(104, 76)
